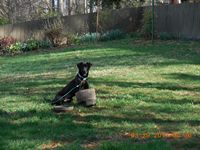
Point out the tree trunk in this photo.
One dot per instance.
(85, 6)
(91, 6)
(69, 7)
(53, 5)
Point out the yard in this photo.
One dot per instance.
(141, 89)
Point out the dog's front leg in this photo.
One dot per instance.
(86, 85)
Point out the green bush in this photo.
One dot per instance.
(31, 44)
(16, 48)
(112, 35)
(44, 44)
(166, 36)
(146, 29)
(107, 36)
(89, 37)
(76, 40)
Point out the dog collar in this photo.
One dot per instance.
(81, 77)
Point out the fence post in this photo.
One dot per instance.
(97, 20)
(152, 38)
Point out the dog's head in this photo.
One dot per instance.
(83, 68)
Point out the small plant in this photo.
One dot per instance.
(16, 48)
(112, 35)
(31, 44)
(44, 44)
(89, 37)
(76, 40)
(109, 35)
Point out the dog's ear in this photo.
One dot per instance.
(79, 64)
(89, 64)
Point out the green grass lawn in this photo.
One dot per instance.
(141, 88)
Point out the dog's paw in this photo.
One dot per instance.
(66, 100)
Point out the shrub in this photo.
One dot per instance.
(166, 36)
(54, 31)
(44, 44)
(146, 29)
(112, 35)
(54, 35)
(76, 40)
(6, 42)
(16, 48)
(89, 37)
(109, 35)
(31, 44)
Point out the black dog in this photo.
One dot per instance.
(78, 83)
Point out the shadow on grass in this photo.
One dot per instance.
(180, 101)
(134, 118)
(70, 127)
(43, 126)
(106, 54)
(183, 76)
(45, 87)
(160, 86)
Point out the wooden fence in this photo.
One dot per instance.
(179, 20)
(127, 20)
